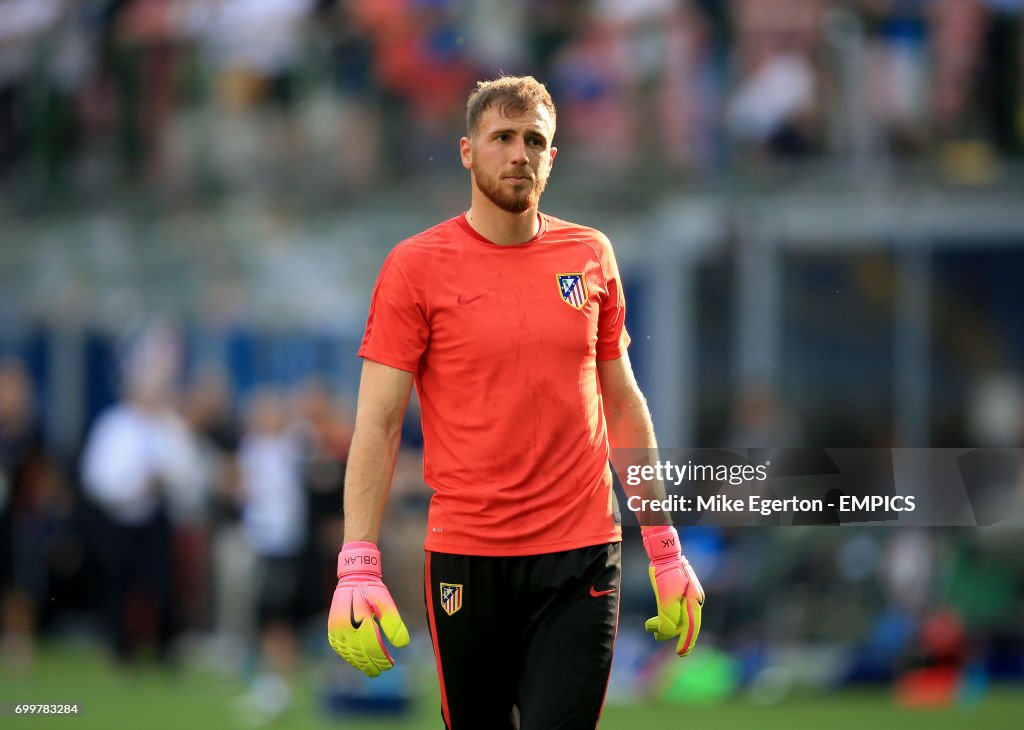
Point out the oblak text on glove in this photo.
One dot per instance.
(351, 561)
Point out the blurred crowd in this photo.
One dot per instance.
(177, 519)
(197, 521)
(199, 94)
(190, 519)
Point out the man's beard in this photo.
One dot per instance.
(516, 200)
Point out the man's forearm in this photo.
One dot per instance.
(631, 436)
(371, 466)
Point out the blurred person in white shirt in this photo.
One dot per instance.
(275, 525)
(139, 466)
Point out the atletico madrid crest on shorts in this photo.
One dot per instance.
(573, 289)
(451, 597)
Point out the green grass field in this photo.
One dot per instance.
(151, 699)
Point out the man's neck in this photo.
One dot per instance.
(501, 227)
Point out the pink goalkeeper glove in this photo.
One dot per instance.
(676, 588)
(362, 608)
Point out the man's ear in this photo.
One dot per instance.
(466, 152)
(554, 151)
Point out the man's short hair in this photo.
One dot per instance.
(514, 94)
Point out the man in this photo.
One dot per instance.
(138, 463)
(510, 322)
(274, 505)
(24, 471)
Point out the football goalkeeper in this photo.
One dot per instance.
(510, 324)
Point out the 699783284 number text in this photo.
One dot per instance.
(39, 708)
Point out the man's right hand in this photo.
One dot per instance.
(363, 610)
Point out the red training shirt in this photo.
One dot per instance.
(503, 342)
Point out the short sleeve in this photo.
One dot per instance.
(397, 330)
(612, 338)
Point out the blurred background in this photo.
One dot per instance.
(818, 209)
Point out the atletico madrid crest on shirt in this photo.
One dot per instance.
(451, 597)
(573, 289)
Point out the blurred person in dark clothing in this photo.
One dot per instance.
(209, 408)
(23, 26)
(138, 459)
(143, 48)
(552, 25)
(325, 430)
(40, 545)
(206, 407)
(19, 442)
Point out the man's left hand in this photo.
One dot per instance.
(679, 594)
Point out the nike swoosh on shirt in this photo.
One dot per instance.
(463, 301)
(597, 594)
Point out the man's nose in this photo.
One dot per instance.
(519, 156)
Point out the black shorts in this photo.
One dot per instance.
(524, 642)
(278, 598)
